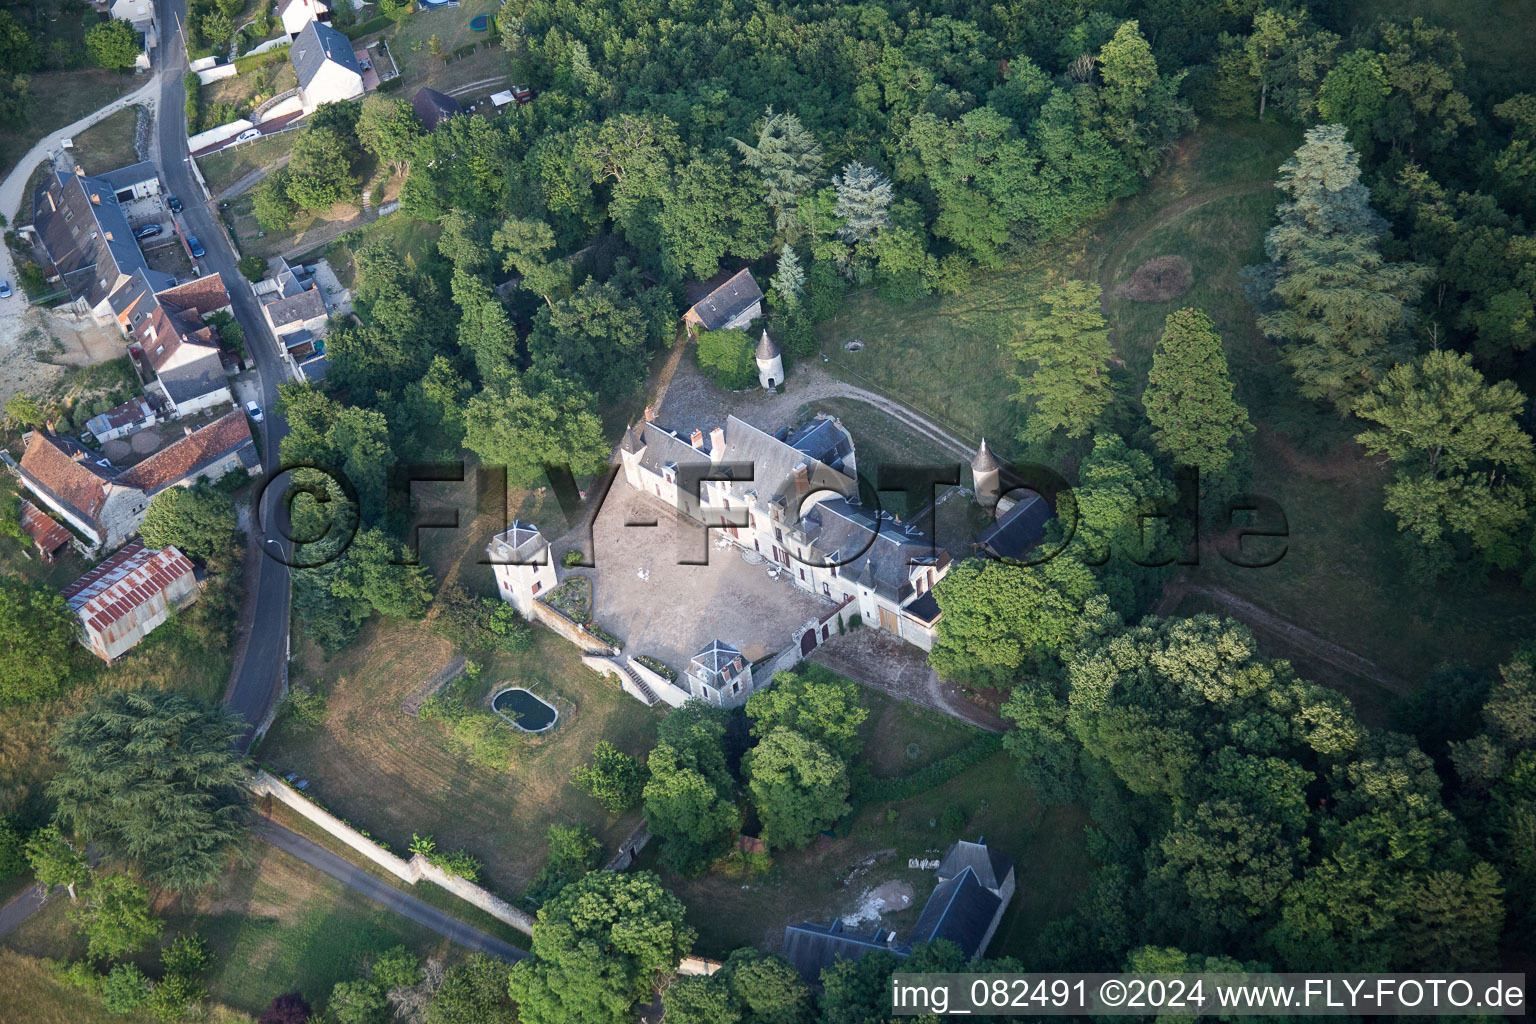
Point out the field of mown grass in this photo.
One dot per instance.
(394, 775)
(272, 923)
(108, 144)
(1344, 576)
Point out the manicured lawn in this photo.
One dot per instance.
(394, 775)
(60, 98)
(273, 925)
(108, 144)
(831, 876)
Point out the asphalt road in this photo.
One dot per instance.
(257, 676)
(317, 856)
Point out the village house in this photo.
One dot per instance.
(294, 308)
(120, 421)
(327, 70)
(128, 596)
(433, 108)
(975, 886)
(82, 228)
(141, 15)
(295, 14)
(175, 351)
(792, 498)
(106, 504)
(724, 302)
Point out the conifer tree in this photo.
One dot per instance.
(788, 157)
(1189, 396)
(789, 279)
(1339, 307)
(863, 201)
(1065, 351)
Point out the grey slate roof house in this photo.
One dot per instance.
(87, 238)
(720, 305)
(327, 69)
(432, 107)
(1016, 531)
(720, 675)
(975, 885)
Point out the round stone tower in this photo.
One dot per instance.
(985, 474)
(770, 363)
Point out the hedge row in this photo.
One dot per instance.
(871, 790)
(377, 23)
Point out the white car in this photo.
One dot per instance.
(253, 410)
(248, 135)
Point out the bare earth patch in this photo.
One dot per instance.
(1158, 280)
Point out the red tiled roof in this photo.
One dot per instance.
(178, 460)
(77, 484)
(124, 582)
(203, 294)
(42, 528)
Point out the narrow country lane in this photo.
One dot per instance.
(262, 652)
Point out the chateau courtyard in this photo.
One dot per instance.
(672, 611)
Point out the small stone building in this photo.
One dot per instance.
(720, 675)
(521, 562)
(724, 302)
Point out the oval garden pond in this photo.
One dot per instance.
(524, 710)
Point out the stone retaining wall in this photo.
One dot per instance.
(412, 871)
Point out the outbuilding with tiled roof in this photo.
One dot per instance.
(128, 596)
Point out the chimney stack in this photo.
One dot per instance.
(698, 439)
(716, 444)
(802, 480)
(187, 429)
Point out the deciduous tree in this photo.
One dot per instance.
(798, 786)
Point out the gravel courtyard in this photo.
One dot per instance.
(672, 611)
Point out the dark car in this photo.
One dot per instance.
(173, 203)
(195, 246)
(148, 231)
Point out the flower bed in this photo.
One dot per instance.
(661, 668)
(573, 599)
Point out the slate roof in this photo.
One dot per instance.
(812, 948)
(79, 484)
(717, 661)
(924, 609)
(773, 460)
(518, 541)
(960, 910)
(985, 461)
(128, 579)
(433, 107)
(990, 866)
(871, 547)
(767, 348)
(316, 44)
(46, 532)
(87, 237)
(824, 440)
(135, 410)
(721, 304)
(1017, 531)
(182, 460)
(127, 177)
(296, 308)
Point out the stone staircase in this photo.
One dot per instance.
(634, 677)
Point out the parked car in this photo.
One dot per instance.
(173, 203)
(148, 231)
(248, 135)
(5, 289)
(253, 410)
(195, 246)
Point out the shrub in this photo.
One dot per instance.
(396, 968)
(286, 1009)
(571, 558)
(741, 864)
(253, 267)
(459, 862)
(872, 790)
(13, 839)
(727, 360)
(614, 779)
(480, 623)
(125, 989)
(953, 818)
(304, 707)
